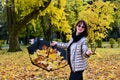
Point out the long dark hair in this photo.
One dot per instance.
(85, 32)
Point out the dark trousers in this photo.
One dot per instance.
(76, 75)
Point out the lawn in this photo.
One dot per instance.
(17, 66)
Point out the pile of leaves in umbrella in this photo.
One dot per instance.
(48, 58)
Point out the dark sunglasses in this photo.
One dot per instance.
(81, 26)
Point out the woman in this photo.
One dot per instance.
(77, 50)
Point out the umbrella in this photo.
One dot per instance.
(38, 45)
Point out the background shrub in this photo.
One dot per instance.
(112, 42)
(118, 41)
(99, 43)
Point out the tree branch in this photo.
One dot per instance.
(30, 16)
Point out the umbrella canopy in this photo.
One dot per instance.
(38, 45)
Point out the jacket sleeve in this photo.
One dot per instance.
(62, 45)
(85, 48)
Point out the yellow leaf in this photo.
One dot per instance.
(98, 55)
(52, 56)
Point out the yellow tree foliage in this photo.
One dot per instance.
(58, 17)
(98, 16)
(25, 7)
(117, 12)
(56, 14)
(73, 7)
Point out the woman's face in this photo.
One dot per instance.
(80, 28)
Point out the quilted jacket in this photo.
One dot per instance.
(78, 56)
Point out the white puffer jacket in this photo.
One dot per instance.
(78, 53)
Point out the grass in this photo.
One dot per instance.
(17, 66)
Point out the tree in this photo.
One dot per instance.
(17, 18)
(115, 32)
(117, 15)
(58, 19)
(99, 17)
(52, 20)
(31, 11)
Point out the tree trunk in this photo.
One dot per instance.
(13, 35)
(13, 42)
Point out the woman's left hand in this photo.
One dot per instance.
(89, 52)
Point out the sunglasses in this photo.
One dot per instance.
(81, 26)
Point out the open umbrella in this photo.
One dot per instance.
(38, 44)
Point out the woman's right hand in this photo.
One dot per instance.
(53, 43)
(89, 52)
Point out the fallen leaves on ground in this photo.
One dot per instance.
(17, 66)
